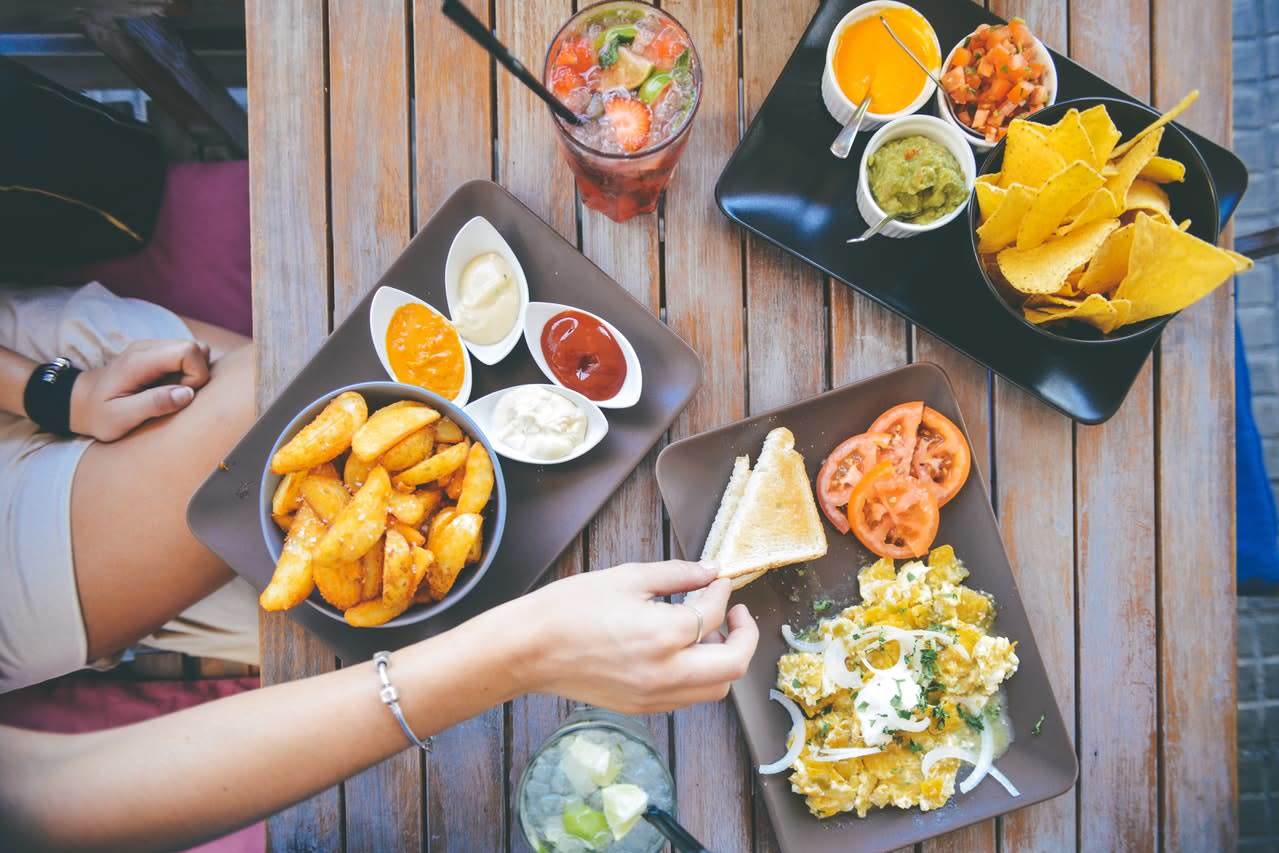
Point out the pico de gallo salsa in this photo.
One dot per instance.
(996, 74)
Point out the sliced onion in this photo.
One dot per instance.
(814, 646)
(795, 737)
(866, 663)
(943, 752)
(843, 754)
(900, 725)
(984, 758)
(1003, 780)
(835, 666)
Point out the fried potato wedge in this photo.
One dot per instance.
(355, 472)
(435, 467)
(293, 579)
(340, 584)
(325, 438)
(408, 507)
(477, 482)
(371, 571)
(388, 426)
(443, 517)
(397, 570)
(477, 550)
(287, 494)
(447, 432)
(360, 523)
(451, 544)
(325, 496)
(284, 522)
(412, 534)
(409, 451)
(370, 614)
(327, 470)
(422, 560)
(453, 485)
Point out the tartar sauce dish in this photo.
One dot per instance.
(418, 345)
(486, 290)
(584, 353)
(539, 424)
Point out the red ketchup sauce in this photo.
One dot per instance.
(584, 355)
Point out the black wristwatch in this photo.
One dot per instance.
(47, 398)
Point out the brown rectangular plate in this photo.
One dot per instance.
(548, 505)
(692, 474)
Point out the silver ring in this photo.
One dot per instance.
(697, 639)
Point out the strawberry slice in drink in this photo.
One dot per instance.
(630, 121)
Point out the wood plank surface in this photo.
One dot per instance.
(464, 775)
(369, 165)
(1115, 538)
(530, 165)
(1195, 448)
(704, 305)
(1033, 492)
(288, 209)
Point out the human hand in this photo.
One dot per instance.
(607, 638)
(148, 379)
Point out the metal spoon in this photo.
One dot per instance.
(879, 226)
(844, 142)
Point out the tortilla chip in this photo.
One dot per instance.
(1095, 310)
(1163, 170)
(1099, 205)
(1027, 160)
(1157, 124)
(1000, 229)
(1123, 310)
(1169, 269)
(1058, 196)
(1131, 164)
(1184, 225)
(989, 198)
(1046, 267)
(1069, 139)
(1109, 266)
(1101, 131)
(1150, 197)
(1243, 263)
(1109, 170)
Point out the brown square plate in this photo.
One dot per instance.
(548, 505)
(692, 474)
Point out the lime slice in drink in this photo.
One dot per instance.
(582, 821)
(589, 766)
(623, 805)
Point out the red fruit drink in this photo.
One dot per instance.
(631, 72)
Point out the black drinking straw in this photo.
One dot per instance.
(679, 837)
(474, 28)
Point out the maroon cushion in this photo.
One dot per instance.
(197, 262)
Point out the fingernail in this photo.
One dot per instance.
(182, 395)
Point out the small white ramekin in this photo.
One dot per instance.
(934, 129)
(837, 103)
(976, 140)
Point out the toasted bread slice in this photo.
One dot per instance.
(727, 506)
(775, 522)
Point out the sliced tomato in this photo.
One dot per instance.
(902, 423)
(942, 460)
(844, 467)
(893, 515)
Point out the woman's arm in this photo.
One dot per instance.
(15, 370)
(602, 637)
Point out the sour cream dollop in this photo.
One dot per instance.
(539, 423)
(488, 299)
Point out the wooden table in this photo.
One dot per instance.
(366, 114)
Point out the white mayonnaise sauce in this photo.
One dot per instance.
(539, 423)
(488, 299)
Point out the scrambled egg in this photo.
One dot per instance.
(924, 673)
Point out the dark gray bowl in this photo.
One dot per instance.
(377, 395)
(1194, 198)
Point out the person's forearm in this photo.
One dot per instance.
(194, 775)
(15, 370)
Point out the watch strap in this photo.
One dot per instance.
(47, 398)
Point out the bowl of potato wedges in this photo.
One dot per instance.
(382, 504)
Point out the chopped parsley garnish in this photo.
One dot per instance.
(796, 683)
(928, 662)
(940, 715)
(862, 706)
(896, 701)
(973, 721)
(910, 576)
(1039, 726)
(823, 728)
(913, 746)
(821, 605)
(905, 715)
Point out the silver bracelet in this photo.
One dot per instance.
(391, 698)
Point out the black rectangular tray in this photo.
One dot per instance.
(783, 183)
(547, 505)
(691, 475)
